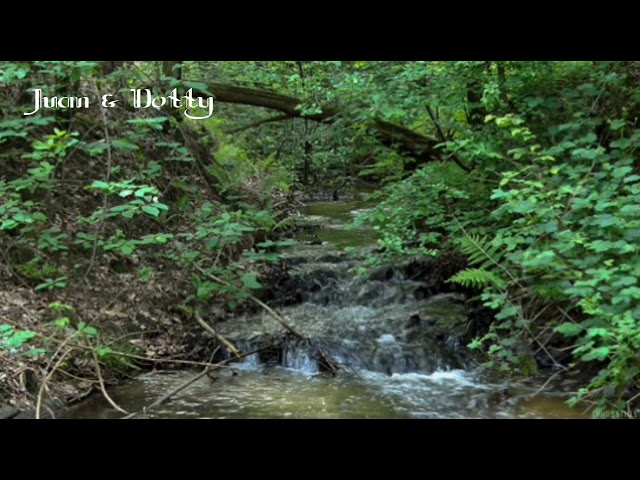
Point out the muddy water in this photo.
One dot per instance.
(276, 392)
(374, 325)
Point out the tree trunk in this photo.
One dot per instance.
(502, 83)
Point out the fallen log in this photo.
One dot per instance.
(422, 148)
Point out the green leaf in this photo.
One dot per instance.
(597, 332)
(90, 331)
(524, 207)
(199, 86)
(267, 244)
(585, 154)
(104, 351)
(621, 172)
(249, 281)
(154, 123)
(153, 211)
(62, 323)
(98, 184)
(144, 191)
(630, 210)
(569, 329)
(124, 145)
(600, 353)
(509, 311)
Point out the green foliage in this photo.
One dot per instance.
(145, 200)
(480, 251)
(52, 284)
(36, 269)
(548, 218)
(216, 236)
(478, 278)
(11, 339)
(547, 214)
(53, 240)
(415, 215)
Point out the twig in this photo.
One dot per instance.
(102, 387)
(64, 372)
(215, 334)
(107, 177)
(158, 360)
(269, 310)
(114, 352)
(46, 379)
(182, 386)
(215, 262)
(442, 136)
(130, 334)
(541, 345)
(547, 382)
(632, 399)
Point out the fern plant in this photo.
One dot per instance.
(489, 274)
(478, 278)
(486, 258)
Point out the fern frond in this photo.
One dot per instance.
(480, 251)
(478, 278)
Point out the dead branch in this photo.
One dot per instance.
(269, 310)
(216, 335)
(207, 370)
(102, 387)
(43, 385)
(325, 361)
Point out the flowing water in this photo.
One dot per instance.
(398, 349)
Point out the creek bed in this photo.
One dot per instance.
(398, 363)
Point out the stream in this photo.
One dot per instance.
(397, 361)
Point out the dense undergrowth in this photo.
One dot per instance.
(109, 221)
(549, 220)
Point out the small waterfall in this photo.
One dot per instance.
(374, 322)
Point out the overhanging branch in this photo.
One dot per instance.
(407, 141)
